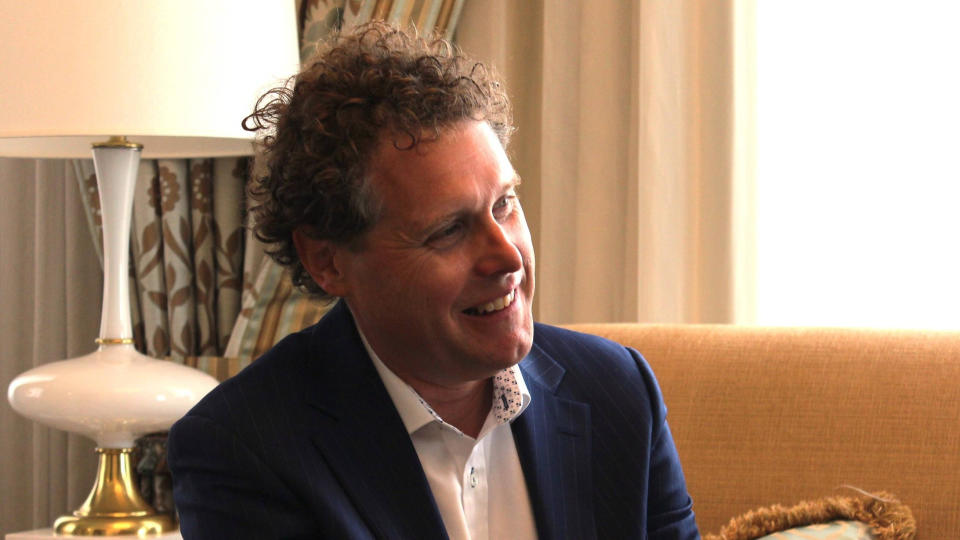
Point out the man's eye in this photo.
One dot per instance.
(447, 235)
(504, 206)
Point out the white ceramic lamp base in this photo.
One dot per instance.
(114, 394)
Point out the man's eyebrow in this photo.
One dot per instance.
(426, 228)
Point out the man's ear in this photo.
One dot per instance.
(318, 258)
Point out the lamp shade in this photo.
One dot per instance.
(177, 76)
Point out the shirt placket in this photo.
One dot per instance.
(475, 491)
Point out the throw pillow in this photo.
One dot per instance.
(881, 514)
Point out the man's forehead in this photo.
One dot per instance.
(421, 141)
(461, 170)
(459, 149)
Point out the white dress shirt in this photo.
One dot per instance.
(478, 484)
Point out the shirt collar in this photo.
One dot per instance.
(510, 394)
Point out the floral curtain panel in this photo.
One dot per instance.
(187, 252)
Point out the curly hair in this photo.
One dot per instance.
(319, 137)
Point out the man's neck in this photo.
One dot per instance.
(464, 406)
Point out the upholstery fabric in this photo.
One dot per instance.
(767, 415)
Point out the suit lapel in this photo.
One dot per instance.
(362, 438)
(553, 441)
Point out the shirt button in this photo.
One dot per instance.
(473, 478)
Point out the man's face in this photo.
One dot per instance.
(442, 285)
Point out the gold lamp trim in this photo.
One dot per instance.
(114, 507)
(118, 142)
(114, 341)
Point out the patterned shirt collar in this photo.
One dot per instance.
(510, 395)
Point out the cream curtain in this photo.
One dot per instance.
(631, 147)
(50, 287)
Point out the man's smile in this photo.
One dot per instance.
(493, 306)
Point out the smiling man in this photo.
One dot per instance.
(441, 286)
(427, 403)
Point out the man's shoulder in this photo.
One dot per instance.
(292, 349)
(585, 350)
(594, 368)
(271, 378)
(546, 333)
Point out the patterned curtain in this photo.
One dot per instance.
(187, 252)
(318, 18)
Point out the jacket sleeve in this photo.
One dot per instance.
(669, 509)
(223, 490)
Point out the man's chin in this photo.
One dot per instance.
(514, 353)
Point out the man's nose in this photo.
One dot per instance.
(498, 252)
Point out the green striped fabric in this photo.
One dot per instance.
(271, 309)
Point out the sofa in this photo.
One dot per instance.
(764, 416)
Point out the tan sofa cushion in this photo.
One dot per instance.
(778, 415)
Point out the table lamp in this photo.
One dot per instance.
(129, 79)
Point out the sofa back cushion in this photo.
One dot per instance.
(778, 415)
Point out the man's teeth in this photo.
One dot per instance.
(495, 305)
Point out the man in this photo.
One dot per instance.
(426, 404)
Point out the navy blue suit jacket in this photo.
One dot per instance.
(306, 443)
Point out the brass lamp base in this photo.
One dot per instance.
(114, 506)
